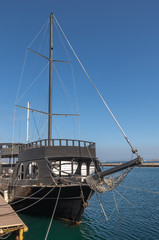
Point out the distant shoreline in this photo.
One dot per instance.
(112, 164)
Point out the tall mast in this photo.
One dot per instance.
(50, 79)
(27, 137)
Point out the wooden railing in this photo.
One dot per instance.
(57, 142)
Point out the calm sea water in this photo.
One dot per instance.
(137, 216)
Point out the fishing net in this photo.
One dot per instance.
(106, 184)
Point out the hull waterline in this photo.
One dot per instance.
(42, 201)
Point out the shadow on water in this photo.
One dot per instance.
(139, 214)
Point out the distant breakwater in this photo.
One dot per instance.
(110, 164)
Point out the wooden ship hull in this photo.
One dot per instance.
(39, 185)
(70, 206)
(38, 177)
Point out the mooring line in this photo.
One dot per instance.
(116, 204)
(102, 207)
(22, 209)
(123, 197)
(53, 213)
(139, 189)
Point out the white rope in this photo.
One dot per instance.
(64, 88)
(73, 77)
(139, 189)
(13, 132)
(22, 209)
(116, 204)
(20, 81)
(24, 198)
(25, 60)
(120, 198)
(102, 207)
(34, 81)
(57, 129)
(5, 237)
(133, 149)
(66, 92)
(123, 197)
(53, 213)
(46, 23)
(42, 128)
(45, 32)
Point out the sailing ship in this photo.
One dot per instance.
(48, 176)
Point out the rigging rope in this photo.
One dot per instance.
(22, 209)
(116, 204)
(106, 184)
(23, 198)
(46, 23)
(123, 197)
(26, 54)
(102, 207)
(20, 82)
(73, 77)
(21, 76)
(57, 129)
(42, 128)
(139, 189)
(53, 213)
(34, 81)
(94, 165)
(132, 148)
(5, 237)
(64, 88)
(36, 125)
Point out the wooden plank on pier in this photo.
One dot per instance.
(8, 218)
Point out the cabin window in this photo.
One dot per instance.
(84, 170)
(21, 171)
(64, 168)
(56, 166)
(75, 166)
(32, 171)
(5, 146)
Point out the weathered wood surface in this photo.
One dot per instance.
(8, 217)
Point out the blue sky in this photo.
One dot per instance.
(117, 42)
